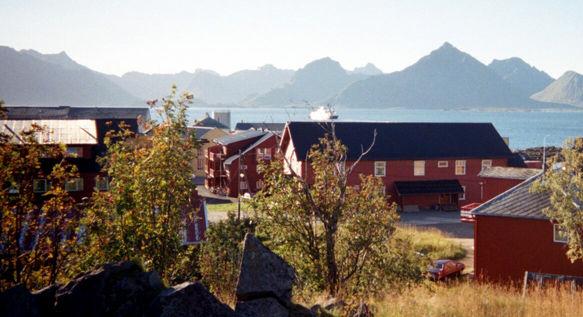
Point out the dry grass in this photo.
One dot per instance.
(431, 241)
(468, 299)
(226, 207)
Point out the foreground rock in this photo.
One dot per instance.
(188, 299)
(265, 281)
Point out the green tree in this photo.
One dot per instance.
(142, 215)
(34, 250)
(329, 231)
(563, 181)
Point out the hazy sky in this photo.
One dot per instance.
(170, 36)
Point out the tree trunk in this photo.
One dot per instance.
(331, 262)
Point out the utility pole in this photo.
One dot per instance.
(239, 189)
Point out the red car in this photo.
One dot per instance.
(442, 269)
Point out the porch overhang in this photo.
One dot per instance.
(428, 187)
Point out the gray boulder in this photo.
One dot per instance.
(262, 307)
(188, 299)
(264, 274)
(109, 289)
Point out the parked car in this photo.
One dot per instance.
(442, 269)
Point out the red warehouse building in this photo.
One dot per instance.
(232, 163)
(423, 165)
(512, 236)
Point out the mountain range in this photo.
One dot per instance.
(447, 78)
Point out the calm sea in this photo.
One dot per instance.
(524, 128)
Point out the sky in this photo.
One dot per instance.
(116, 37)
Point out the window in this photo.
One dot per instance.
(13, 189)
(442, 164)
(101, 183)
(357, 187)
(463, 195)
(379, 168)
(259, 184)
(243, 185)
(200, 164)
(39, 185)
(486, 163)
(75, 151)
(74, 184)
(561, 234)
(264, 153)
(460, 167)
(419, 169)
(200, 152)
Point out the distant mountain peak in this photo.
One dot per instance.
(368, 69)
(567, 89)
(521, 75)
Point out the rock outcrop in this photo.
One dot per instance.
(265, 281)
(188, 299)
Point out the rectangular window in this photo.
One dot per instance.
(463, 195)
(200, 164)
(419, 169)
(259, 184)
(75, 152)
(460, 167)
(101, 183)
(243, 185)
(74, 184)
(486, 163)
(39, 185)
(264, 153)
(200, 152)
(442, 164)
(561, 234)
(379, 169)
(14, 189)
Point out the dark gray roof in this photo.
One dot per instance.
(241, 136)
(274, 127)
(201, 131)
(517, 202)
(424, 187)
(405, 140)
(66, 112)
(509, 172)
(208, 122)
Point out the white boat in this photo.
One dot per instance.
(323, 114)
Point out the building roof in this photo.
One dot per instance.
(208, 122)
(264, 138)
(66, 112)
(200, 132)
(237, 137)
(404, 140)
(274, 127)
(59, 131)
(425, 187)
(517, 202)
(509, 172)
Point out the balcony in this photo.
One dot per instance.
(215, 156)
(216, 173)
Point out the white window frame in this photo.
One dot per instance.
(486, 163)
(264, 153)
(75, 151)
(259, 184)
(78, 184)
(200, 164)
(378, 166)
(462, 196)
(442, 164)
(419, 168)
(39, 180)
(200, 152)
(98, 178)
(556, 237)
(243, 184)
(460, 164)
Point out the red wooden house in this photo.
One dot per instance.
(512, 235)
(423, 165)
(82, 130)
(232, 163)
(497, 179)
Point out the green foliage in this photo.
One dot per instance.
(142, 215)
(221, 255)
(565, 186)
(337, 238)
(431, 242)
(38, 230)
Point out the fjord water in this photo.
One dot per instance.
(524, 128)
